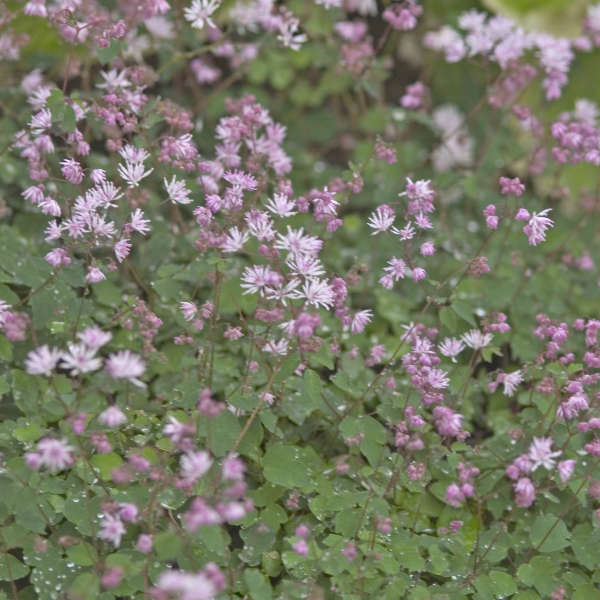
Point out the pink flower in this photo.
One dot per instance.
(537, 226)
(382, 219)
(194, 465)
(427, 249)
(349, 551)
(360, 320)
(451, 347)
(80, 359)
(178, 192)
(511, 381)
(112, 417)
(525, 492)
(189, 310)
(511, 186)
(300, 547)
(187, 586)
(126, 365)
(42, 361)
(58, 257)
(565, 469)
(233, 468)
(56, 455)
(122, 249)
(540, 453)
(454, 496)
(144, 543)
(199, 12)
(128, 512)
(94, 337)
(72, 171)
(94, 275)
(138, 222)
(112, 530)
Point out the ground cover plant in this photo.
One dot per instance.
(299, 299)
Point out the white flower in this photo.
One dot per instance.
(281, 293)
(80, 359)
(112, 530)
(234, 240)
(305, 266)
(177, 191)
(200, 11)
(42, 360)
(282, 206)
(113, 416)
(451, 347)
(316, 292)
(511, 381)
(255, 279)
(113, 79)
(126, 365)
(381, 219)
(133, 173)
(540, 453)
(94, 337)
(55, 454)
(279, 347)
(194, 465)
(476, 339)
(296, 242)
(131, 153)
(329, 3)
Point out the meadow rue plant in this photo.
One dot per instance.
(298, 300)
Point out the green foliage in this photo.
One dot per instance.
(317, 428)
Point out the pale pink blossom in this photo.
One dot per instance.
(125, 365)
(112, 417)
(56, 455)
(112, 530)
(540, 453)
(42, 360)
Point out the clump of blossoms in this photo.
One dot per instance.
(278, 319)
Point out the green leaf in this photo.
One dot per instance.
(69, 121)
(258, 585)
(105, 463)
(539, 572)
(586, 546)
(106, 55)
(167, 545)
(408, 555)
(11, 568)
(588, 591)
(504, 584)
(291, 466)
(82, 554)
(29, 433)
(5, 349)
(464, 311)
(224, 431)
(312, 386)
(550, 532)
(85, 586)
(448, 318)
(50, 573)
